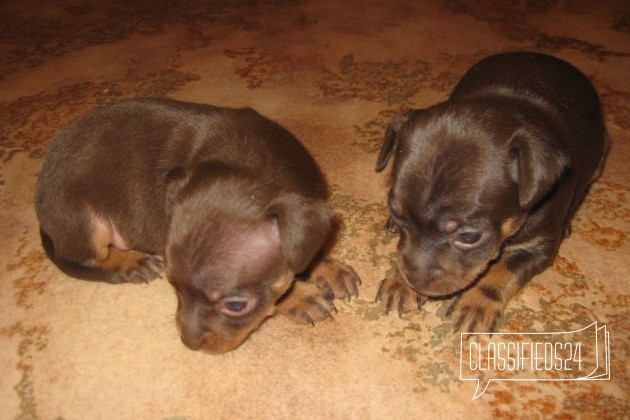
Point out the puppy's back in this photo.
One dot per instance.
(116, 160)
(544, 83)
(534, 74)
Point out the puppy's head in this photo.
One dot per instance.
(465, 178)
(232, 251)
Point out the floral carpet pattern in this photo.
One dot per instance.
(334, 73)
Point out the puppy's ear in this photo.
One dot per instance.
(176, 179)
(391, 137)
(536, 165)
(304, 226)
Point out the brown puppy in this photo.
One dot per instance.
(485, 184)
(233, 202)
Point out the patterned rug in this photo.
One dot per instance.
(334, 73)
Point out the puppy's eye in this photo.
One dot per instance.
(237, 305)
(467, 239)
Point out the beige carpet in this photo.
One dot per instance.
(333, 72)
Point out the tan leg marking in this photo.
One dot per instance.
(100, 239)
(480, 308)
(126, 266)
(129, 266)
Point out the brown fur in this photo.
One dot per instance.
(233, 203)
(485, 184)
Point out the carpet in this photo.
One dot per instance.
(334, 73)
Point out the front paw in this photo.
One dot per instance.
(475, 311)
(306, 303)
(398, 295)
(335, 278)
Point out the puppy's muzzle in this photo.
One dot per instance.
(191, 333)
(431, 279)
(419, 276)
(195, 341)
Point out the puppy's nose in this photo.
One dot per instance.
(421, 266)
(194, 341)
(420, 275)
(419, 279)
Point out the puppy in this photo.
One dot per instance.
(232, 201)
(485, 184)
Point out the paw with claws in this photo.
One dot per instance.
(311, 301)
(131, 266)
(475, 311)
(399, 296)
(306, 303)
(480, 308)
(337, 279)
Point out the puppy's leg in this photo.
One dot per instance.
(305, 303)
(479, 309)
(112, 255)
(397, 294)
(337, 279)
(87, 250)
(310, 301)
(128, 266)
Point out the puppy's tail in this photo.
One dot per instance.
(73, 269)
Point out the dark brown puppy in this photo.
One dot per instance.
(485, 184)
(233, 202)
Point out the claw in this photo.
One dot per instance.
(326, 313)
(451, 308)
(378, 293)
(381, 290)
(355, 290)
(459, 323)
(493, 325)
(401, 306)
(346, 293)
(390, 301)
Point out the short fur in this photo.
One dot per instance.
(234, 203)
(485, 184)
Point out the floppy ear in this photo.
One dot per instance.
(176, 179)
(304, 226)
(537, 164)
(391, 137)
